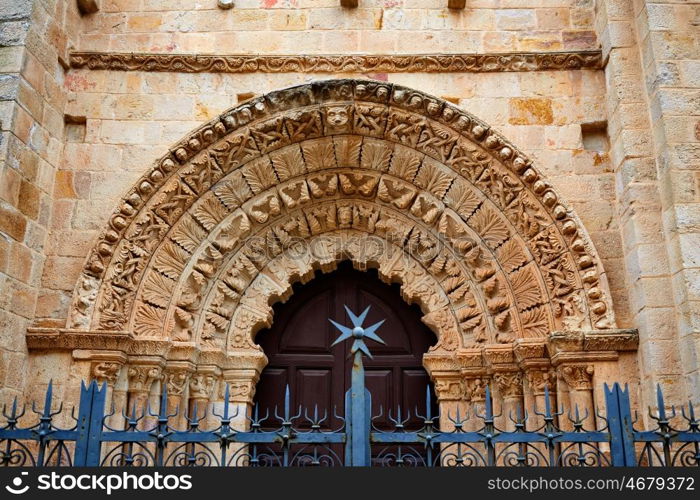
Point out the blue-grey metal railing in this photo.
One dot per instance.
(299, 437)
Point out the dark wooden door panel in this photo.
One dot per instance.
(314, 387)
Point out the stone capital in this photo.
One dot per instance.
(449, 388)
(176, 376)
(510, 384)
(539, 378)
(529, 349)
(475, 388)
(579, 377)
(104, 364)
(498, 355)
(105, 372)
(241, 384)
(143, 372)
(203, 382)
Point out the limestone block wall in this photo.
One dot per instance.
(653, 105)
(34, 37)
(669, 43)
(322, 26)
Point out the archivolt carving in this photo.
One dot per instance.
(219, 228)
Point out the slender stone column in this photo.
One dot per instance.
(105, 367)
(202, 385)
(510, 389)
(508, 402)
(107, 372)
(142, 374)
(177, 377)
(537, 379)
(475, 393)
(450, 393)
(578, 378)
(534, 362)
(241, 384)
(444, 369)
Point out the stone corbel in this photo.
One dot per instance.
(591, 345)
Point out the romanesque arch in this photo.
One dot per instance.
(298, 179)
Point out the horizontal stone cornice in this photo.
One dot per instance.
(359, 63)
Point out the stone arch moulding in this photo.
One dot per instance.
(297, 179)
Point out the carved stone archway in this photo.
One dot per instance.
(385, 176)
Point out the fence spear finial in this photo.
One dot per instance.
(358, 332)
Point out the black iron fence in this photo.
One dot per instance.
(302, 437)
(286, 436)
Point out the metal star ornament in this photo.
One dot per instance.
(358, 332)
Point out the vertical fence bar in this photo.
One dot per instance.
(358, 417)
(619, 417)
(90, 417)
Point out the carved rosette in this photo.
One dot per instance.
(301, 178)
(578, 377)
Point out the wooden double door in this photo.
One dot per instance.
(298, 346)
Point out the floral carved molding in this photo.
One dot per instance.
(297, 180)
(422, 63)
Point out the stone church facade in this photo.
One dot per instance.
(526, 170)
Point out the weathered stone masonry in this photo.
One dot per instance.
(538, 238)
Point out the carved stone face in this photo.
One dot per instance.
(337, 117)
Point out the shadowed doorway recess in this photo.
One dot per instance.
(298, 346)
